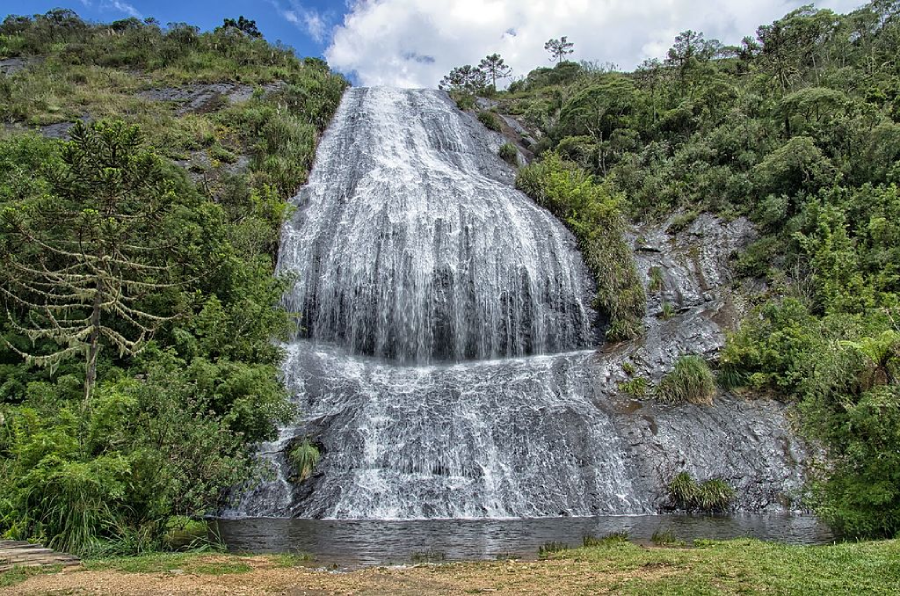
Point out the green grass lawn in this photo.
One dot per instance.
(612, 566)
(749, 567)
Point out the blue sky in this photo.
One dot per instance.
(413, 43)
(293, 23)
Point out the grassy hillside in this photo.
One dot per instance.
(137, 367)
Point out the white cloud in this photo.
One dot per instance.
(383, 41)
(126, 8)
(310, 21)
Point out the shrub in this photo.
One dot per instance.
(490, 120)
(509, 154)
(592, 212)
(636, 387)
(681, 222)
(691, 381)
(712, 495)
(303, 458)
(464, 101)
(656, 279)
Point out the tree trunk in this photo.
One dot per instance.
(90, 376)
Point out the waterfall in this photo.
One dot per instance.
(443, 362)
(409, 245)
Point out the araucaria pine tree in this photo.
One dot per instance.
(80, 259)
(559, 48)
(494, 68)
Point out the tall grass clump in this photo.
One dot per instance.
(691, 381)
(711, 495)
(303, 458)
(551, 547)
(611, 539)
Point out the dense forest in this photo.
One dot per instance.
(137, 367)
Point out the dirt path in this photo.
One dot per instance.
(534, 577)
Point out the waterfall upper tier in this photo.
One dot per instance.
(410, 244)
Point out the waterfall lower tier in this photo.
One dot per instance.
(527, 437)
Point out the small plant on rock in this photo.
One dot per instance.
(636, 387)
(691, 381)
(490, 120)
(656, 279)
(303, 458)
(509, 154)
(712, 495)
(667, 312)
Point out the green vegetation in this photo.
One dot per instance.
(666, 538)
(610, 566)
(303, 458)
(710, 495)
(667, 311)
(744, 566)
(490, 120)
(797, 128)
(509, 154)
(611, 538)
(636, 387)
(137, 363)
(656, 279)
(691, 382)
(552, 547)
(592, 211)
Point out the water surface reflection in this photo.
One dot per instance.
(351, 543)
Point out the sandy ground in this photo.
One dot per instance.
(508, 577)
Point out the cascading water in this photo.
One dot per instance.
(409, 247)
(442, 363)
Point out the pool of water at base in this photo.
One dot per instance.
(355, 543)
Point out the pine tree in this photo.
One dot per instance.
(79, 260)
(494, 67)
(559, 48)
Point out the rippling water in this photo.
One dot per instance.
(352, 543)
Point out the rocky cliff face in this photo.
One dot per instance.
(748, 442)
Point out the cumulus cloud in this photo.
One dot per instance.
(308, 20)
(381, 41)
